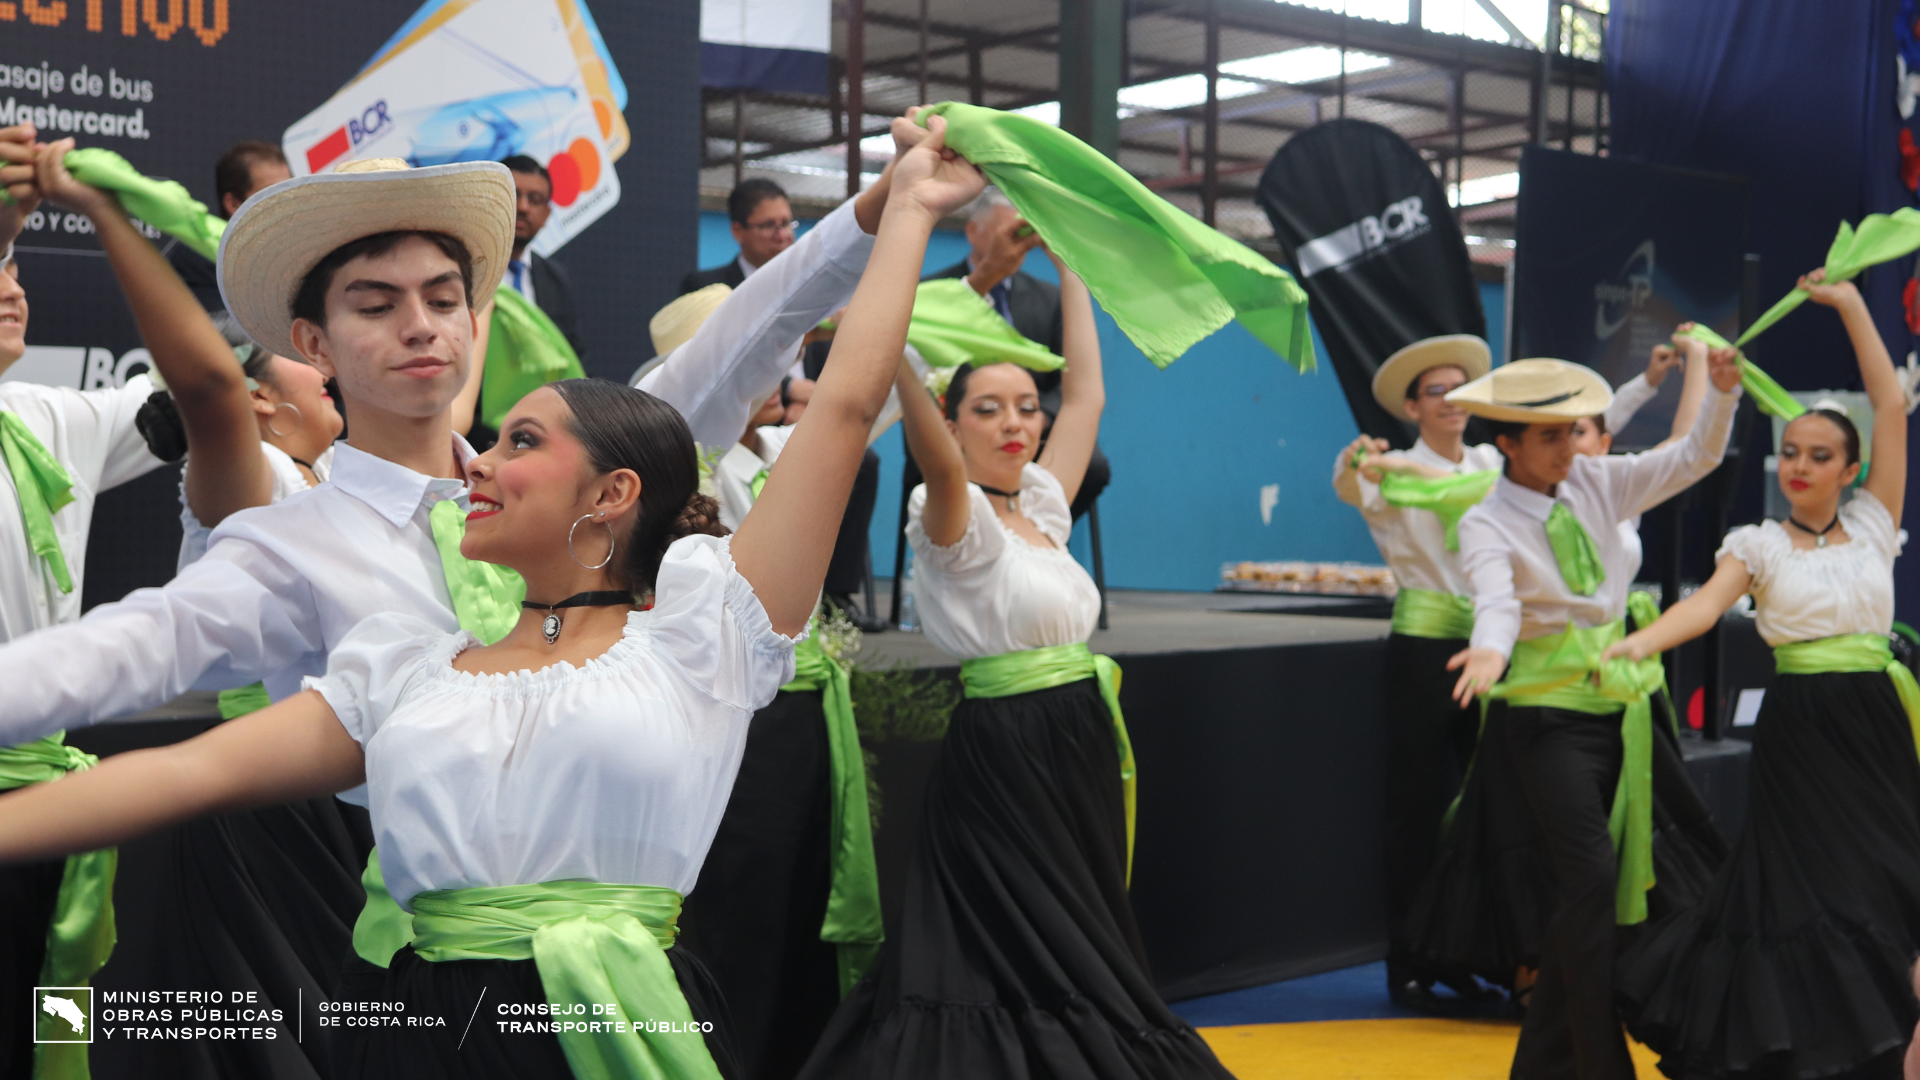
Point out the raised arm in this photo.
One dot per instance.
(294, 750)
(949, 502)
(1689, 618)
(783, 546)
(1887, 479)
(17, 181)
(1638, 482)
(227, 471)
(1693, 388)
(1083, 389)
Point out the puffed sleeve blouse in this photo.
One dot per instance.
(1811, 593)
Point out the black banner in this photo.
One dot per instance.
(1367, 228)
(171, 85)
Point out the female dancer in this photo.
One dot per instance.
(1016, 950)
(1796, 965)
(607, 736)
(1550, 583)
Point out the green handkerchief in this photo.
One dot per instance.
(1450, 497)
(953, 325)
(525, 352)
(163, 204)
(486, 598)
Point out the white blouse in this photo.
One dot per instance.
(1804, 595)
(287, 480)
(992, 592)
(616, 771)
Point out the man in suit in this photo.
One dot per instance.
(762, 226)
(992, 268)
(534, 276)
(245, 168)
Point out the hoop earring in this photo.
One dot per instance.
(297, 419)
(610, 540)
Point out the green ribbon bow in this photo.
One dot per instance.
(1558, 671)
(1769, 396)
(1424, 613)
(1574, 551)
(1028, 670)
(593, 944)
(953, 325)
(1164, 277)
(1853, 652)
(43, 487)
(853, 900)
(81, 934)
(525, 351)
(163, 204)
(1449, 497)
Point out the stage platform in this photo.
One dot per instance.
(1256, 723)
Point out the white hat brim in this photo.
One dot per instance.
(1464, 351)
(1574, 391)
(280, 234)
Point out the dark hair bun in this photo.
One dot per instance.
(159, 423)
(700, 517)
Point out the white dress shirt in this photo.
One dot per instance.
(733, 476)
(1518, 593)
(750, 341)
(524, 286)
(615, 771)
(747, 269)
(287, 480)
(1804, 594)
(1414, 542)
(992, 592)
(1632, 396)
(92, 435)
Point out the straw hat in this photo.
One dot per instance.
(674, 324)
(1464, 351)
(1537, 391)
(283, 232)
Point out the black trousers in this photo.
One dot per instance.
(27, 896)
(1568, 764)
(1430, 740)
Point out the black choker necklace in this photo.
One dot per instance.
(1819, 535)
(1012, 497)
(550, 626)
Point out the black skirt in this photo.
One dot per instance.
(27, 896)
(448, 1024)
(1485, 905)
(754, 918)
(1016, 953)
(1796, 964)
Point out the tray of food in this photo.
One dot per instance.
(1316, 578)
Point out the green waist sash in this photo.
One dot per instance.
(81, 934)
(594, 945)
(1424, 613)
(1558, 671)
(1853, 652)
(853, 899)
(1057, 665)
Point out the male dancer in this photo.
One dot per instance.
(1430, 737)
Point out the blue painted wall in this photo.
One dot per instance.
(1191, 448)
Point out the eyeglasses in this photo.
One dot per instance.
(1439, 390)
(769, 228)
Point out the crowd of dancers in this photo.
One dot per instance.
(486, 710)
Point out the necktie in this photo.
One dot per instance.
(1574, 550)
(1000, 292)
(43, 487)
(486, 598)
(518, 269)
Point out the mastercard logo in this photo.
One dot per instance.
(574, 170)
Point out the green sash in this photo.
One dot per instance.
(594, 944)
(1557, 672)
(43, 487)
(1574, 551)
(953, 325)
(1057, 665)
(163, 204)
(1165, 278)
(81, 934)
(1853, 652)
(1449, 497)
(1424, 613)
(525, 351)
(853, 900)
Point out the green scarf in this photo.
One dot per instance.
(81, 935)
(163, 204)
(1557, 672)
(1165, 278)
(1424, 613)
(43, 487)
(1853, 652)
(1574, 551)
(1769, 396)
(1040, 669)
(953, 325)
(594, 944)
(1880, 238)
(525, 352)
(1449, 497)
(853, 900)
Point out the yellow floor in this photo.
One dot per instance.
(1423, 1049)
